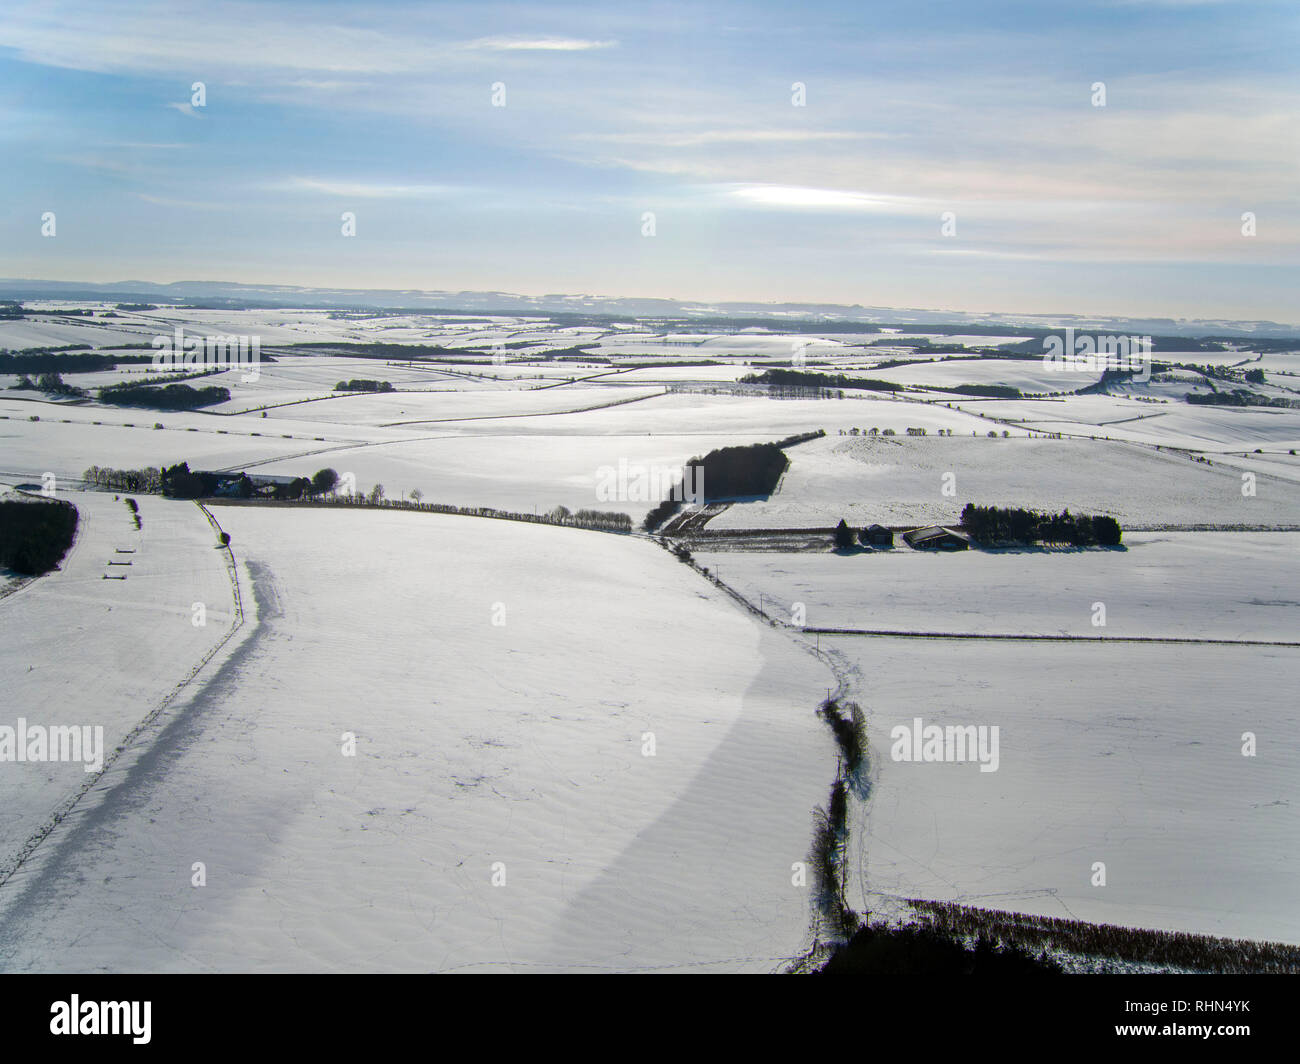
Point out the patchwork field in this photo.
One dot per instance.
(502, 680)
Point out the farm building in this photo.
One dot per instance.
(876, 536)
(936, 537)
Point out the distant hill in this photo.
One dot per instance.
(857, 318)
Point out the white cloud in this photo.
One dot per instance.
(816, 198)
(543, 44)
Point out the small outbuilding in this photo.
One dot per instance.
(935, 537)
(876, 536)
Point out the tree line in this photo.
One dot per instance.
(992, 525)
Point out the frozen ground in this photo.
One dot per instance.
(83, 650)
(482, 750)
(902, 481)
(521, 743)
(1125, 754)
(1200, 585)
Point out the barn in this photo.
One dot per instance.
(935, 537)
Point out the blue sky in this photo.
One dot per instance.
(684, 110)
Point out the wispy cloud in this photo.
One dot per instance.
(542, 44)
(360, 189)
(666, 139)
(788, 196)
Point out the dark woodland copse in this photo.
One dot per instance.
(35, 534)
(991, 525)
(753, 469)
(361, 384)
(797, 378)
(164, 397)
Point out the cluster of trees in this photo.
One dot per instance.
(987, 391)
(796, 378)
(177, 482)
(48, 382)
(996, 524)
(800, 437)
(729, 472)
(1238, 397)
(751, 469)
(35, 534)
(147, 481)
(593, 519)
(363, 385)
(164, 397)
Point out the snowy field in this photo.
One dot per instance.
(515, 750)
(1200, 585)
(82, 650)
(511, 751)
(902, 482)
(1125, 754)
(1026, 374)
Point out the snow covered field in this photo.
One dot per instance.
(82, 650)
(514, 751)
(1125, 754)
(897, 481)
(1199, 585)
(482, 750)
(1026, 374)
